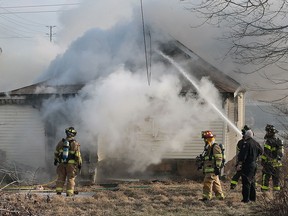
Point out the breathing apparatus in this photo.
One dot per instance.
(65, 154)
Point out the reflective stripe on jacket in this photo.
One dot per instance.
(273, 152)
(212, 158)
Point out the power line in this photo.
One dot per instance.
(9, 30)
(30, 6)
(16, 37)
(24, 12)
(20, 24)
(27, 6)
(22, 18)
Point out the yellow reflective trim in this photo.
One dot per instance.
(267, 146)
(71, 162)
(264, 187)
(208, 169)
(218, 163)
(59, 189)
(220, 196)
(276, 188)
(234, 182)
(70, 192)
(218, 155)
(208, 196)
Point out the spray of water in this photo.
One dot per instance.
(194, 83)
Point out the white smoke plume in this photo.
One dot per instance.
(121, 108)
(116, 107)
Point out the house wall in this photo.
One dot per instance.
(234, 114)
(22, 135)
(183, 162)
(153, 136)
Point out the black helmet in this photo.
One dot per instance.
(245, 128)
(270, 129)
(70, 132)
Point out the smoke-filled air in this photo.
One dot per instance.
(117, 106)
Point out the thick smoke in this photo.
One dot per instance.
(116, 109)
(121, 108)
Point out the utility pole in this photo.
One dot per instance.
(50, 32)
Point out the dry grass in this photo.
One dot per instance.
(142, 198)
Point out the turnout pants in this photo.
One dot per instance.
(64, 171)
(270, 172)
(212, 184)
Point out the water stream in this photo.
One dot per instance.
(194, 83)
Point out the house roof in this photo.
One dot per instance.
(198, 67)
(36, 92)
(43, 89)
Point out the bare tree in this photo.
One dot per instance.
(257, 28)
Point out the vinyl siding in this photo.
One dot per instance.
(22, 135)
(154, 138)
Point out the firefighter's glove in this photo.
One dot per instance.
(55, 162)
(79, 166)
(217, 171)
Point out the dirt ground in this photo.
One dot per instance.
(128, 198)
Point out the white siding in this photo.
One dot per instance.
(22, 135)
(153, 137)
(196, 146)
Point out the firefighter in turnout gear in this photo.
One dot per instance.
(271, 159)
(211, 167)
(237, 175)
(68, 158)
(247, 164)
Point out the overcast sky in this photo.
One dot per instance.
(25, 27)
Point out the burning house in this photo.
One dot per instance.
(28, 133)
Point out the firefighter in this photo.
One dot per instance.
(271, 159)
(69, 161)
(247, 165)
(237, 175)
(211, 167)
